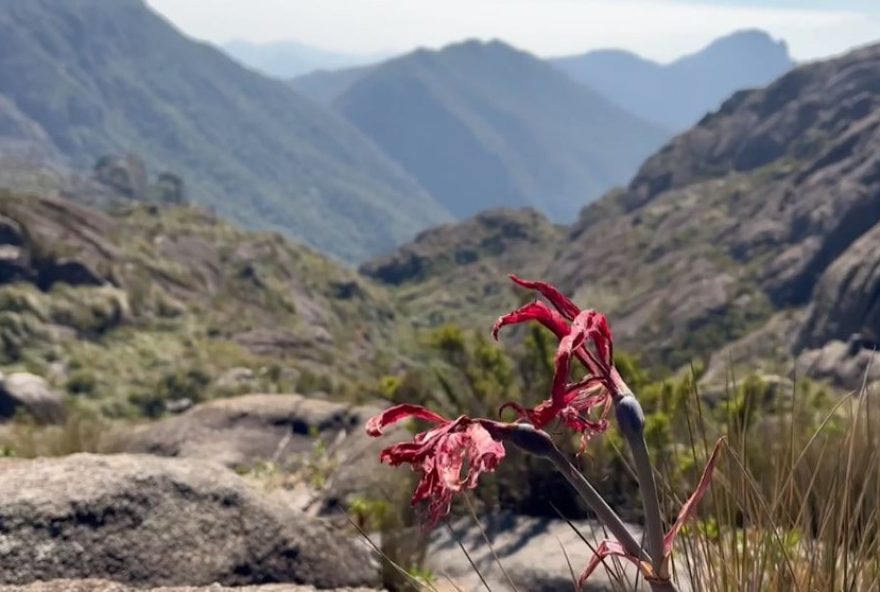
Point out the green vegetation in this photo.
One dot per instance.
(172, 307)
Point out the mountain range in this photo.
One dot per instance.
(484, 125)
(404, 145)
(751, 241)
(80, 79)
(673, 96)
(676, 95)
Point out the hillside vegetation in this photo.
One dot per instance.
(80, 79)
(131, 311)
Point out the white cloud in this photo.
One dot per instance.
(657, 29)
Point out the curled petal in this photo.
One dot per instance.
(693, 501)
(560, 301)
(605, 549)
(533, 311)
(390, 416)
(450, 457)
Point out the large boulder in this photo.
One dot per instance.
(846, 302)
(31, 393)
(285, 430)
(150, 521)
(108, 586)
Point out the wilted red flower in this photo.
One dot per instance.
(610, 548)
(584, 335)
(450, 456)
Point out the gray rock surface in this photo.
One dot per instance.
(846, 304)
(108, 586)
(281, 429)
(150, 521)
(529, 549)
(31, 393)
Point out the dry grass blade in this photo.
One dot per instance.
(468, 556)
(473, 514)
(419, 584)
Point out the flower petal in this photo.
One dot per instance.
(390, 416)
(560, 301)
(533, 311)
(605, 549)
(694, 500)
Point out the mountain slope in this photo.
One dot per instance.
(748, 241)
(134, 310)
(484, 125)
(108, 78)
(742, 215)
(678, 94)
(455, 273)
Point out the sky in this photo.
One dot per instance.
(657, 29)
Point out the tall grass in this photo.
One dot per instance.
(795, 505)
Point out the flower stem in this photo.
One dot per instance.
(603, 511)
(631, 421)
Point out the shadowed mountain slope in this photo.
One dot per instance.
(484, 125)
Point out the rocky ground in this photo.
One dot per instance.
(108, 586)
(190, 503)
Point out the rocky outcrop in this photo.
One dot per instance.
(150, 521)
(457, 273)
(848, 364)
(286, 430)
(794, 117)
(739, 218)
(846, 304)
(22, 391)
(54, 241)
(493, 233)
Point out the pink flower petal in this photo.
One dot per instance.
(560, 301)
(693, 501)
(533, 311)
(390, 416)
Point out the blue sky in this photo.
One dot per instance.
(657, 29)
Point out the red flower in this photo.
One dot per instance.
(584, 335)
(450, 456)
(609, 548)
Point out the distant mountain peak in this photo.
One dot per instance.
(482, 124)
(678, 94)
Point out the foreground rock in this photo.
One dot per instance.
(150, 521)
(107, 586)
(285, 430)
